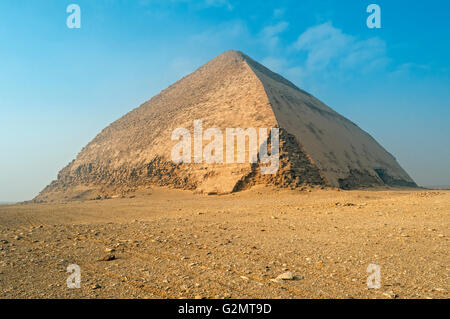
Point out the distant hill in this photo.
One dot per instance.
(6, 203)
(438, 186)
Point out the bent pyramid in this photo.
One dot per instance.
(317, 145)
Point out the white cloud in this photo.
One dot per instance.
(409, 69)
(269, 35)
(328, 48)
(273, 30)
(322, 54)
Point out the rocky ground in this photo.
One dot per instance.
(175, 244)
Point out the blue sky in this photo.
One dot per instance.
(59, 87)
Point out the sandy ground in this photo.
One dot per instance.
(175, 244)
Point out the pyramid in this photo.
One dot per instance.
(318, 146)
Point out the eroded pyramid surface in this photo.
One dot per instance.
(317, 145)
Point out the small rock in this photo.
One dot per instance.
(108, 257)
(286, 276)
(349, 204)
(390, 294)
(278, 281)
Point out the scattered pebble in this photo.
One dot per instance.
(286, 276)
(108, 257)
(390, 294)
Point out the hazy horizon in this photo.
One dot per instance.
(60, 87)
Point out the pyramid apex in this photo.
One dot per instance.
(232, 54)
(227, 58)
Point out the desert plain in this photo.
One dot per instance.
(167, 243)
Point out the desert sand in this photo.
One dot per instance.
(176, 244)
